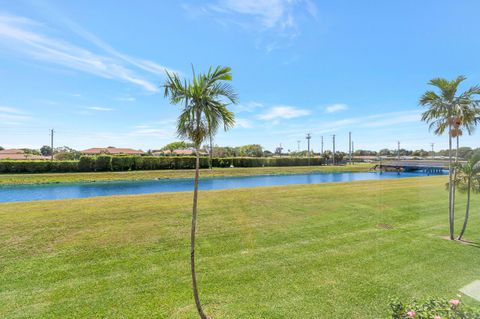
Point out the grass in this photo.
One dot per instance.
(145, 175)
(308, 251)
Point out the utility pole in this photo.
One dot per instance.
(433, 151)
(298, 148)
(398, 151)
(350, 147)
(308, 139)
(322, 146)
(333, 153)
(51, 141)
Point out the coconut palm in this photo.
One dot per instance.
(205, 100)
(467, 180)
(443, 108)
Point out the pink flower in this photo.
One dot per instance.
(411, 314)
(437, 317)
(454, 302)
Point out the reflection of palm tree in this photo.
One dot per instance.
(205, 102)
(467, 180)
(443, 108)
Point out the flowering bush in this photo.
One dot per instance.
(433, 308)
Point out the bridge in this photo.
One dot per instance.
(427, 166)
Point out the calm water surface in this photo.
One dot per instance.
(20, 193)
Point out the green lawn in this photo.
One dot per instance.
(143, 175)
(308, 251)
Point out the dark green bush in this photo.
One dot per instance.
(86, 164)
(103, 163)
(26, 166)
(126, 163)
(123, 163)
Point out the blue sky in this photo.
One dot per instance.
(92, 69)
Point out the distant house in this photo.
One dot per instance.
(180, 152)
(112, 151)
(17, 154)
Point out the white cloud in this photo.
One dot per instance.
(257, 15)
(12, 116)
(99, 109)
(336, 108)
(283, 112)
(243, 123)
(18, 34)
(150, 132)
(247, 107)
(126, 98)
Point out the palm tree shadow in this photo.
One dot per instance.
(469, 243)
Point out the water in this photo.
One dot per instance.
(21, 193)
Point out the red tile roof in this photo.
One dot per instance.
(112, 150)
(16, 154)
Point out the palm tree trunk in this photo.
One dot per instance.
(450, 182)
(192, 238)
(465, 222)
(210, 163)
(454, 190)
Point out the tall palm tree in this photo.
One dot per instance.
(468, 179)
(443, 108)
(205, 100)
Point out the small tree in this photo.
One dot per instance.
(205, 100)
(468, 180)
(443, 108)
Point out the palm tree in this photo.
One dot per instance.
(467, 180)
(443, 108)
(205, 100)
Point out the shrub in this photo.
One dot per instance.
(25, 166)
(126, 163)
(103, 163)
(86, 164)
(123, 163)
(433, 308)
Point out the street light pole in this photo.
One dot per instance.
(308, 139)
(333, 155)
(350, 147)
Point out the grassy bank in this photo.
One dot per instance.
(317, 251)
(145, 175)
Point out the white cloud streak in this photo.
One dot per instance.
(336, 108)
(99, 108)
(283, 112)
(12, 116)
(18, 34)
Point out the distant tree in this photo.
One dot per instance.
(384, 152)
(267, 153)
(339, 156)
(327, 155)
(177, 145)
(30, 151)
(66, 153)
(364, 153)
(465, 152)
(46, 150)
(252, 150)
(1, 148)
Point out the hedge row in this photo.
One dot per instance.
(104, 163)
(25, 166)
